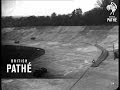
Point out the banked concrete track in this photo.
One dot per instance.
(101, 58)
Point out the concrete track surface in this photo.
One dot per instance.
(67, 55)
(102, 57)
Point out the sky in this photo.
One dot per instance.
(44, 7)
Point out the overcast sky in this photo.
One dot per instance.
(44, 7)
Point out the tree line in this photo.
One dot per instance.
(96, 16)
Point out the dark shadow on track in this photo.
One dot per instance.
(9, 52)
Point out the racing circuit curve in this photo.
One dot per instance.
(101, 58)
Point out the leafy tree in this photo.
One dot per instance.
(53, 15)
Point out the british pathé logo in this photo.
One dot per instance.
(112, 7)
(19, 66)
